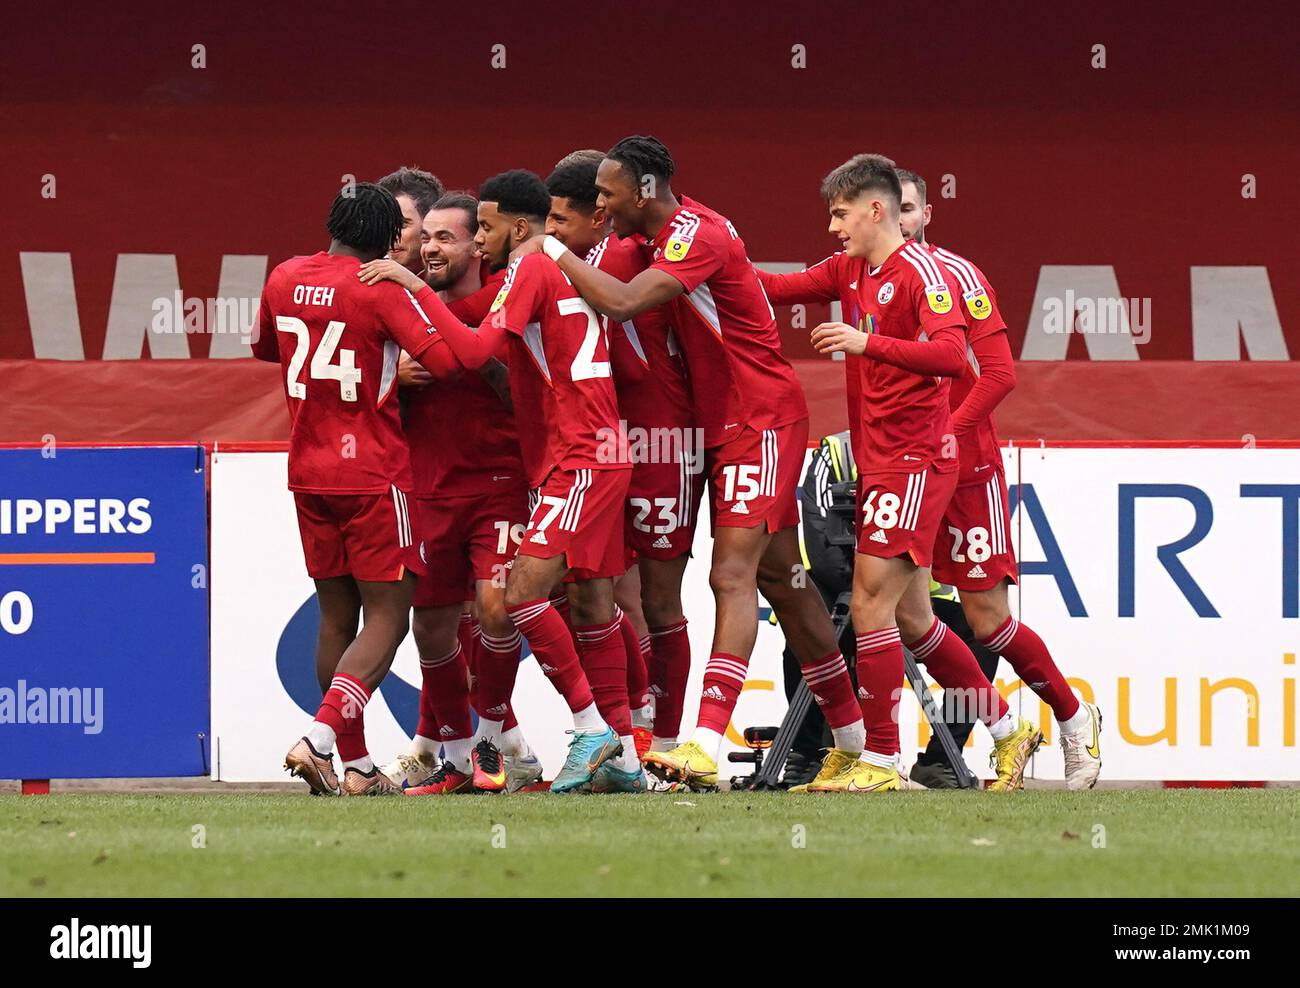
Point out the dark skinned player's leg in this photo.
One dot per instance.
(670, 646)
(386, 608)
(636, 642)
(810, 634)
(444, 685)
(733, 578)
(527, 591)
(340, 614)
(604, 658)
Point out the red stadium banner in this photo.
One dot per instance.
(1131, 209)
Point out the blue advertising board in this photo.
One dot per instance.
(103, 612)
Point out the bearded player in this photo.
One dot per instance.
(563, 398)
(470, 484)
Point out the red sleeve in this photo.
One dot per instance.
(943, 354)
(996, 379)
(474, 348)
(693, 261)
(474, 308)
(819, 283)
(406, 320)
(266, 344)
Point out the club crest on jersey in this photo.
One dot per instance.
(977, 301)
(677, 247)
(886, 293)
(939, 298)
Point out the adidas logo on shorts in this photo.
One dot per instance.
(662, 543)
(739, 508)
(446, 731)
(548, 670)
(539, 538)
(976, 572)
(713, 693)
(879, 536)
(497, 711)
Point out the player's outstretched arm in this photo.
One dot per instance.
(997, 378)
(944, 354)
(606, 294)
(799, 287)
(464, 348)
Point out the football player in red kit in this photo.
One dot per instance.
(894, 292)
(747, 400)
(563, 398)
(972, 551)
(469, 482)
(657, 435)
(337, 342)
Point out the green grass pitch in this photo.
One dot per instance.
(1036, 843)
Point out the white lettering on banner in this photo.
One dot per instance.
(1125, 553)
(87, 515)
(1229, 304)
(140, 280)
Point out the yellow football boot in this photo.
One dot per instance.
(688, 763)
(835, 762)
(1010, 756)
(859, 776)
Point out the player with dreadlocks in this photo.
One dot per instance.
(337, 342)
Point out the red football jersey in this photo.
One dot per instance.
(338, 342)
(727, 329)
(978, 448)
(898, 418)
(649, 374)
(463, 439)
(560, 378)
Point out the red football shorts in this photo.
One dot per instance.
(755, 477)
(899, 513)
(972, 550)
(579, 514)
(371, 537)
(662, 502)
(469, 538)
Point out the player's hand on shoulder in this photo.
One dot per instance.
(411, 375)
(386, 269)
(533, 245)
(838, 337)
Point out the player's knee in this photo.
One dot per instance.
(492, 616)
(727, 578)
(913, 621)
(661, 609)
(984, 616)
